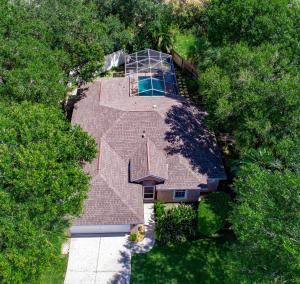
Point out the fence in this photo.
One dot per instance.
(114, 59)
(183, 64)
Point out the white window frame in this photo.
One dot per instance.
(153, 187)
(178, 198)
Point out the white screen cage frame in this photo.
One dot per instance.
(151, 73)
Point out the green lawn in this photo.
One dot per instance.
(56, 273)
(200, 261)
(184, 43)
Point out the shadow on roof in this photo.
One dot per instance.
(188, 136)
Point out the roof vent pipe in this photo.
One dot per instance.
(144, 134)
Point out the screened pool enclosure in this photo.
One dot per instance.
(151, 73)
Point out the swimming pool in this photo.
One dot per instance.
(150, 86)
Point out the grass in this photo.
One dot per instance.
(56, 273)
(184, 43)
(200, 261)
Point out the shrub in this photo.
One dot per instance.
(159, 209)
(193, 86)
(133, 237)
(213, 213)
(176, 225)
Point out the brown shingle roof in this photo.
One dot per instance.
(121, 126)
(147, 162)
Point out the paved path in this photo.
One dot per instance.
(106, 259)
(148, 241)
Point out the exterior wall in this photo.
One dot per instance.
(212, 185)
(99, 229)
(192, 195)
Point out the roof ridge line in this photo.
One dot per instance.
(121, 199)
(99, 158)
(123, 113)
(148, 156)
(100, 92)
(113, 188)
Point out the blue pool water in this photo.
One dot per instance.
(145, 86)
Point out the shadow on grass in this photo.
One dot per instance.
(201, 261)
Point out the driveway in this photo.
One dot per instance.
(101, 260)
(106, 258)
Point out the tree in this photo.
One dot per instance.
(148, 19)
(42, 185)
(74, 30)
(266, 221)
(213, 212)
(72, 27)
(252, 93)
(163, 37)
(253, 21)
(30, 71)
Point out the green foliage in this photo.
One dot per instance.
(133, 237)
(252, 93)
(254, 21)
(45, 44)
(176, 226)
(41, 183)
(266, 221)
(213, 213)
(148, 19)
(31, 71)
(159, 209)
(55, 274)
(184, 44)
(248, 58)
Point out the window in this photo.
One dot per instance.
(180, 194)
(148, 192)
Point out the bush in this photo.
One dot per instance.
(176, 225)
(193, 86)
(159, 209)
(133, 237)
(213, 213)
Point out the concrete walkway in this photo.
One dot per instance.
(107, 258)
(149, 240)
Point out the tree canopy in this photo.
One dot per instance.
(253, 21)
(248, 55)
(41, 183)
(253, 93)
(266, 221)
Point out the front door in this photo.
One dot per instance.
(149, 192)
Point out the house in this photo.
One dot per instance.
(152, 144)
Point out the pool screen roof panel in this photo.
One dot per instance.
(151, 65)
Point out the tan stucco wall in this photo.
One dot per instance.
(167, 195)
